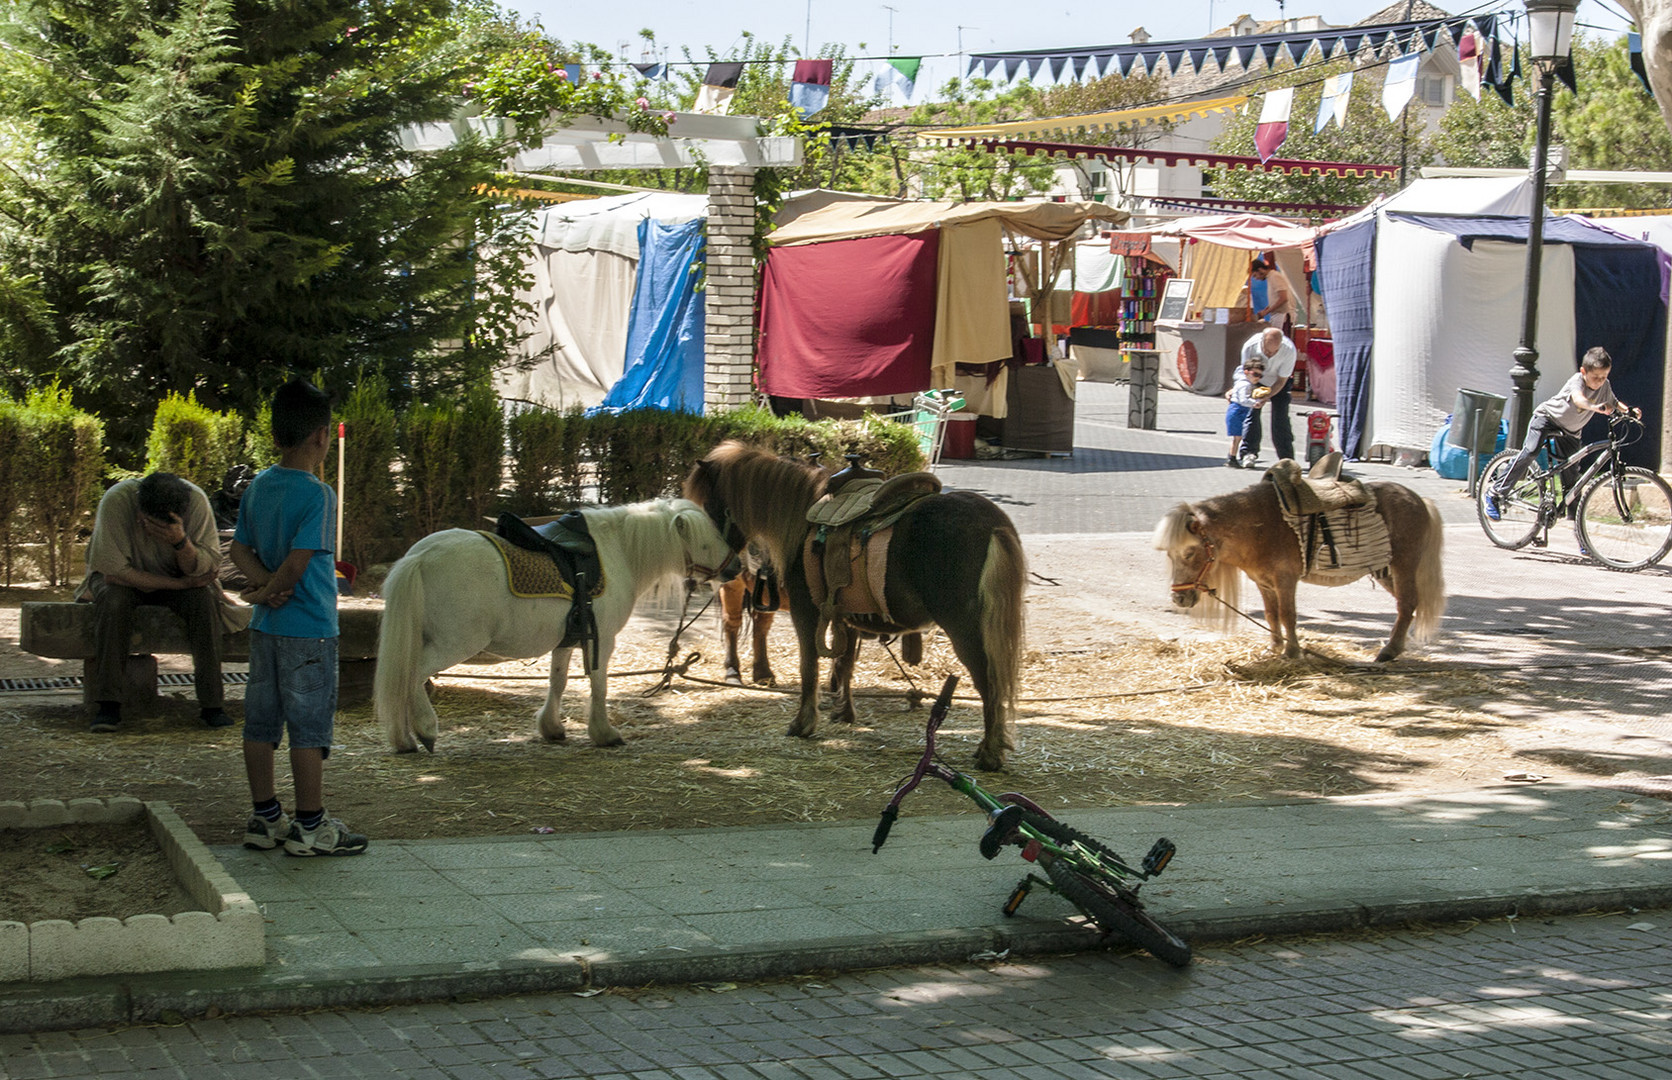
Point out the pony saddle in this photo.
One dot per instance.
(846, 555)
(569, 544)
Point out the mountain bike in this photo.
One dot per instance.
(1622, 514)
(1090, 875)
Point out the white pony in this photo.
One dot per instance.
(448, 599)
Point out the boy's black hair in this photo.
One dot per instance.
(162, 495)
(299, 409)
(1595, 359)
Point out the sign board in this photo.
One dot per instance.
(1175, 300)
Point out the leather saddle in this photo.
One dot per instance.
(568, 543)
(846, 554)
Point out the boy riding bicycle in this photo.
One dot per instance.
(1562, 418)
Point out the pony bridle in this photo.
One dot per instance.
(726, 526)
(1207, 564)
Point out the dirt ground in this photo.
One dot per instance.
(1113, 712)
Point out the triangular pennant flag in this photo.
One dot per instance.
(1197, 55)
(718, 86)
(1327, 47)
(1012, 64)
(1296, 49)
(653, 72)
(1273, 127)
(1634, 43)
(1353, 42)
(1429, 36)
(810, 86)
(1080, 62)
(1468, 63)
(1126, 61)
(1034, 64)
(1057, 64)
(1401, 84)
(899, 76)
(1245, 54)
(1269, 49)
(1333, 105)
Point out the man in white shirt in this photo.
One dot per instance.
(1278, 353)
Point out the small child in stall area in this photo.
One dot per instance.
(1241, 398)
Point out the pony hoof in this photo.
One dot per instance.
(429, 743)
(1386, 655)
(989, 762)
(796, 731)
(617, 741)
(734, 678)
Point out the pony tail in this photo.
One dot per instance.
(1431, 580)
(1003, 576)
(396, 686)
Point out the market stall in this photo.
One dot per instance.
(1199, 340)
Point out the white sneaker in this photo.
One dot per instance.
(331, 838)
(263, 835)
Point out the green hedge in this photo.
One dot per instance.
(450, 462)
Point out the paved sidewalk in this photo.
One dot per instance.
(412, 920)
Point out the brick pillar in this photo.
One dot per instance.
(729, 331)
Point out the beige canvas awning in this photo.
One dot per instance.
(849, 220)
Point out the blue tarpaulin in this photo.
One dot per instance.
(664, 366)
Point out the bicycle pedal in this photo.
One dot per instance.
(1159, 856)
(1541, 541)
(1017, 896)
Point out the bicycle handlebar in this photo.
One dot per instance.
(937, 716)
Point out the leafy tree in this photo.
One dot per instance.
(206, 197)
(1612, 123)
(1369, 137)
(970, 173)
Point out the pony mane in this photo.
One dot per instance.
(767, 496)
(1172, 532)
(645, 535)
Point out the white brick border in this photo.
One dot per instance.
(228, 933)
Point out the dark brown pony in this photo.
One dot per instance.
(1211, 544)
(955, 561)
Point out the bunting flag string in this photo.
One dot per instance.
(1168, 57)
(1186, 157)
(898, 76)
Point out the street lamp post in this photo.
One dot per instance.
(1552, 40)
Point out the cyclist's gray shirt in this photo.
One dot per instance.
(1570, 417)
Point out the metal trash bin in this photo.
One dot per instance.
(1474, 427)
(1474, 421)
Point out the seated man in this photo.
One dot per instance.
(154, 542)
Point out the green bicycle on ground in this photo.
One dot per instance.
(1090, 875)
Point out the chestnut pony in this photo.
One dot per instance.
(955, 561)
(1211, 544)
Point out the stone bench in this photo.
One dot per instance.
(64, 631)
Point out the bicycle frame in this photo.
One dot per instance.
(1607, 454)
(1035, 845)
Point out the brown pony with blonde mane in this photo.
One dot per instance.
(955, 561)
(1211, 544)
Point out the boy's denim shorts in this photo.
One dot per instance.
(292, 689)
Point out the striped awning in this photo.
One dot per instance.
(1118, 120)
(1187, 157)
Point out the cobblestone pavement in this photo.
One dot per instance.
(1579, 998)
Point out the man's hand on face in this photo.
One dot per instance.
(171, 532)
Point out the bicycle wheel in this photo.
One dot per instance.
(1118, 912)
(1625, 522)
(1518, 510)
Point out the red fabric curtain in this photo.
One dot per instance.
(850, 318)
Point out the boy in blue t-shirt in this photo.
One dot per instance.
(284, 545)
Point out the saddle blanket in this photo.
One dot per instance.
(865, 592)
(1340, 546)
(532, 575)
